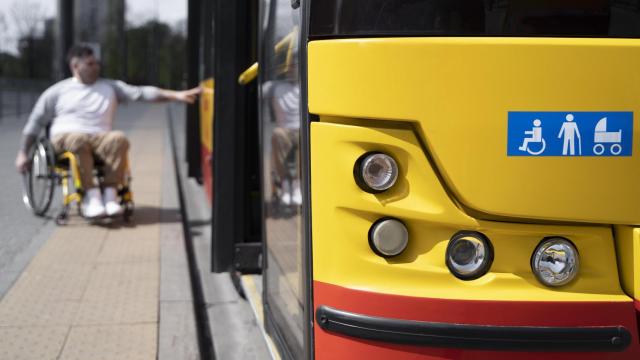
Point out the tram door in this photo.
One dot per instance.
(257, 209)
(280, 120)
(236, 214)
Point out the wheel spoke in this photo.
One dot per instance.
(40, 179)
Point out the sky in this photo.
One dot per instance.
(138, 12)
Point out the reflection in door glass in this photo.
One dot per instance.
(280, 121)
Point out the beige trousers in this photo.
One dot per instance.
(282, 141)
(110, 147)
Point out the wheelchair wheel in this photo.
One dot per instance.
(39, 180)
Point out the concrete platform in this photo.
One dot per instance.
(112, 290)
(234, 328)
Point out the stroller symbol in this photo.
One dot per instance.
(601, 136)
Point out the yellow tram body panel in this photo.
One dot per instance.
(628, 249)
(207, 107)
(343, 214)
(457, 92)
(440, 107)
(206, 114)
(441, 111)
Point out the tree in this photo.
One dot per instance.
(28, 17)
(37, 53)
(155, 55)
(113, 40)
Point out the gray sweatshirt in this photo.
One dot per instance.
(70, 106)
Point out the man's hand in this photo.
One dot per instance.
(186, 96)
(22, 162)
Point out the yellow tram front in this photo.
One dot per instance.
(465, 199)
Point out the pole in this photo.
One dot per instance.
(193, 115)
(2, 85)
(122, 40)
(64, 39)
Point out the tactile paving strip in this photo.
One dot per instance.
(70, 245)
(19, 310)
(132, 342)
(32, 343)
(131, 245)
(118, 312)
(124, 280)
(56, 283)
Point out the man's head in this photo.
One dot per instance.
(84, 65)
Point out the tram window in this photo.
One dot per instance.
(558, 18)
(562, 18)
(280, 120)
(206, 41)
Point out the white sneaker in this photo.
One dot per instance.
(92, 206)
(296, 197)
(285, 195)
(111, 204)
(286, 199)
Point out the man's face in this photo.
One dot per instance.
(87, 68)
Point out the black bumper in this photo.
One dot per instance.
(482, 337)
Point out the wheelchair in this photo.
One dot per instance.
(48, 169)
(277, 208)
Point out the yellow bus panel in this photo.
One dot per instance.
(206, 114)
(458, 93)
(342, 215)
(628, 248)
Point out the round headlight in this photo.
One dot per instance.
(469, 255)
(388, 237)
(375, 172)
(555, 262)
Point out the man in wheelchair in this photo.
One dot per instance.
(285, 142)
(79, 113)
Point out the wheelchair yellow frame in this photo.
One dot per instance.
(64, 171)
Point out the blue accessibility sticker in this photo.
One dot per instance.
(577, 133)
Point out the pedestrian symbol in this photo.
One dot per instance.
(570, 133)
(570, 130)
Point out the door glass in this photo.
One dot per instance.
(280, 121)
(553, 18)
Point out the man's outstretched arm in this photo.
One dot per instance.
(186, 96)
(126, 93)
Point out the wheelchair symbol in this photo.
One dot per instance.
(536, 138)
(542, 148)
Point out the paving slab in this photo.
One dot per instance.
(130, 247)
(32, 343)
(23, 311)
(177, 332)
(118, 311)
(108, 342)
